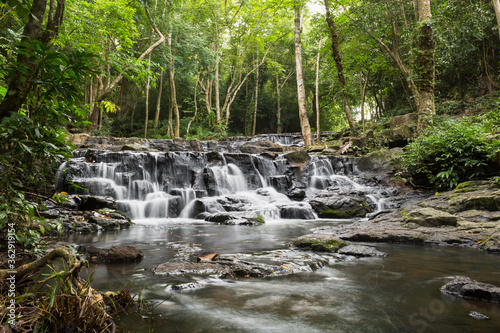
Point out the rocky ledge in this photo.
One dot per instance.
(84, 214)
(467, 216)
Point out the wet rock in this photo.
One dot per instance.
(116, 254)
(94, 202)
(236, 218)
(121, 253)
(477, 315)
(136, 147)
(318, 243)
(360, 251)
(430, 217)
(110, 219)
(188, 269)
(342, 205)
(465, 287)
(298, 211)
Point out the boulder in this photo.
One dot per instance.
(124, 253)
(430, 217)
(116, 254)
(94, 202)
(318, 243)
(409, 119)
(360, 251)
(381, 161)
(465, 287)
(297, 157)
(342, 205)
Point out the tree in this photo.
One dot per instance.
(21, 81)
(338, 63)
(425, 62)
(301, 93)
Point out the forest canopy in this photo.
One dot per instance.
(212, 68)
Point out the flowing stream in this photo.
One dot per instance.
(169, 196)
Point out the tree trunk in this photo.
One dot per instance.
(217, 93)
(425, 63)
(496, 5)
(318, 131)
(363, 93)
(278, 96)
(256, 102)
(158, 100)
(195, 106)
(340, 68)
(301, 93)
(147, 101)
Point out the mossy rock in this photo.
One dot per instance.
(319, 243)
(430, 217)
(297, 157)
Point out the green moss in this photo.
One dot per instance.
(319, 245)
(259, 219)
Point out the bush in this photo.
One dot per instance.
(449, 153)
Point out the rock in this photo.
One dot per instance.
(79, 139)
(188, 268)
(381, 161)
(236, 218)
(94, 202)
(116, 254)
(477, 315)
(136, 147)
(318, 243)
(259, 147)
(297, 157)
(409, 119)
(342, 205)
(124, 253)
(465, 287)
(430, 217)
(298, 211)
(360, 251)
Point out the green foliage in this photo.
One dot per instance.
(32, 142)
(451, 152)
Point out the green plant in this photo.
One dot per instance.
(451, 152)
(33, 139)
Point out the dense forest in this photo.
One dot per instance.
(167, 69)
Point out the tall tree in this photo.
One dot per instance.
(340, 69)
(301, 92)
(425, 62)
(316, 95)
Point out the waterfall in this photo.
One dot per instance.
(195, 185)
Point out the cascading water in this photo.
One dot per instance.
(195, 185)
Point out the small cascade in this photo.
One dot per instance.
(196, 185)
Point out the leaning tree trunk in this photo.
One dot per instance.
(340, 68)
(425, 62)
(301, 92)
